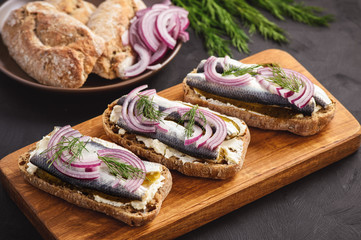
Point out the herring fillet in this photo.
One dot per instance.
(252, 93)
(102, 184)
(174, 137)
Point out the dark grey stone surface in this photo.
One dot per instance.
(323, 205)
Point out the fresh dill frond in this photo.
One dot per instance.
(290, 82)
(146, 108)
(238, 71)
(255, 20)
(190, 117)
(221, 23)
(120, 169)
(297, 11)
(72, 145)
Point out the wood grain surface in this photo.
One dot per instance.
(274, 159)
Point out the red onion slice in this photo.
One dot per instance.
(125, 156)
(146, 32)
(208, 133)
(150, 93)
(67, 170)
(161, 24)
(300, 98)
(154, 30)
(125, 107)
(141, 65)
(162, 127)
(197, 134)
(221, 128)
(134, 119)
(161, 51)
(213, 76)
(85, 161)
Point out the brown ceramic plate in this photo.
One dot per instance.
(94, 83)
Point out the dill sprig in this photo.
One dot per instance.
(255, 20)
(297, 11)
(120, 169)
(221, 23)
(146, 108)
(190, 117)
(238, 71)
(290, 82)
(72, 145)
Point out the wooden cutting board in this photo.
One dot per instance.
(274, 159)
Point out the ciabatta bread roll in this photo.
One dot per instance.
(52, 47)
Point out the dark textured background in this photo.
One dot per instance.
(323, 205)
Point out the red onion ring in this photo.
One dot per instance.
(213, 76)
(146, 32)
(73, 169)
(163, 18)
(299, 99)
(131, 95)
(133, 183)
(141, 65)
(66, 170)
(134, 119)
(221, 128)
(155, 30)
(197, 134)
(139, 116)
(208, 133)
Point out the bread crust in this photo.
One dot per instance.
(126, 214)
(110, 20)
(305, 126)
(79, 9)
(51, 46)
(196, 169)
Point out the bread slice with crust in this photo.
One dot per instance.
(197, 167)
(297, 124)
(87, 199)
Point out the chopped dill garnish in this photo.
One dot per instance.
(146, 108)
(290, 82)
(190, 116)
(238, 71)
(72, 145)
(120, 169)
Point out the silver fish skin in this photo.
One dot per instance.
(175, 135)
(173, 138)
(320, 97)
(100, 184)
(221, 66)
(253, 92)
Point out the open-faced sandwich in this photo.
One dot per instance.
(192, 140)
(96, 174)
(264, 96)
